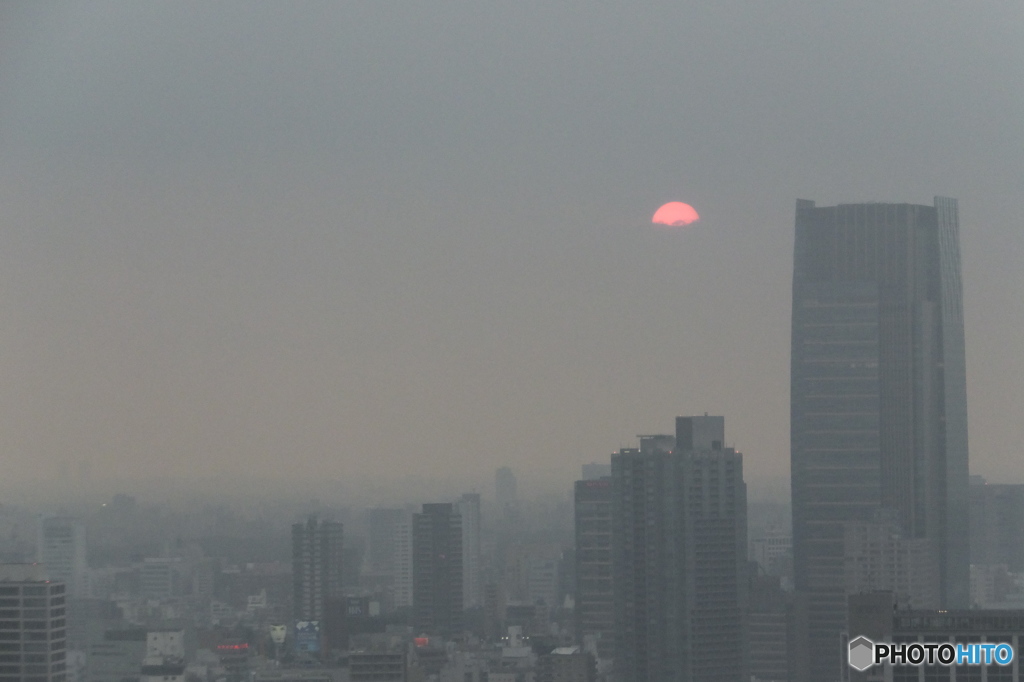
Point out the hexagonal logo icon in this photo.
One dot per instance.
(862, 653)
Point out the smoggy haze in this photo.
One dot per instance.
(354, 240)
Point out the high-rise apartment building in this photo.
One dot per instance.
(389, 551)
(680, 574)
(878, 391)
(62, 550)
(316, 568)
(382, 526)
(472, 577)
(33, 640)
(437, 570)
(595, 614)
(403, 563)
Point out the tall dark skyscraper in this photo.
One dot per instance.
(316, 568)
(679, 541)
(437, 570)
(878, 390)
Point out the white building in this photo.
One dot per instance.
(160, 577)
(878, 557)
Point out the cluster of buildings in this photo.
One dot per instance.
(662, 580)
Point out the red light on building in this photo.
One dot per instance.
(421, 641)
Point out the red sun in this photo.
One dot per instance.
(675, 214)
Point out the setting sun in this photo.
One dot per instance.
(675, 214)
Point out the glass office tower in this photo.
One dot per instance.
(878, 391)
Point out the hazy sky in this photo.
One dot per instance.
(359, 239)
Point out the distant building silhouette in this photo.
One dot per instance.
(437, 570)
(505, 487)
(61, 548)
(596, 470)
(878, 391)
(679, 534)
(507, 497)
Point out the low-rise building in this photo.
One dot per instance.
(378, 666)
(566, 664)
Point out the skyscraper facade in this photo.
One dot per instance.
(316, 568)
(594, 611)
(389, 552)
(437, 570)
(382, 526)
(33, 640)
(679, 540)
(472, 577)
(997, 524)
(878, 396)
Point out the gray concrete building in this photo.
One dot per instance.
(776, 637)
(33, 641)
(679, 539)
(115, 654)
(878, 396)
(997, 524)
(378, 666)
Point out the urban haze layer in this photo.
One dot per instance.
(533, 341)
(653, 566)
